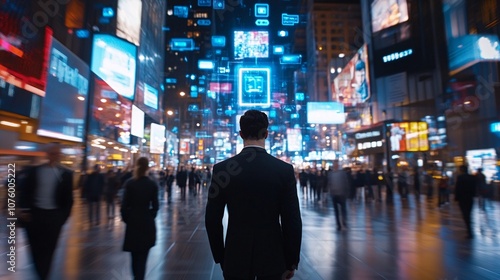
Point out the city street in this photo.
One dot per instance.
(408, 239)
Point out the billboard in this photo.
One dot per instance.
(408, 136)
(111, 113)
(128, 20)
(114, 61)
(387, 13)
(157, 140)
(352, 85)
(465, 51)
(64, 105)
(137, 126)
(254, 87)
(325, 113)
(24, 47)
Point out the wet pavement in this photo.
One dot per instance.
(408, 239)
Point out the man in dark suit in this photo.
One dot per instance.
(46, 195)
(260, 192)
(465, 190)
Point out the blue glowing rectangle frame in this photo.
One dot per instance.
(267, 72)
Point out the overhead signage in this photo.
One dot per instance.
(181, 44)
(289, 20)
(218, 41)
(261, 10)
(219, 5)
(204, 22)
(204, 3)
(262, 22)
(397, 55)
(368, 134)
(291, 59)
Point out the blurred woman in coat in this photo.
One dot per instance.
(139, 208)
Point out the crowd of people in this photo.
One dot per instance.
(260, 193)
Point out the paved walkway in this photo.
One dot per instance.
(408, 239)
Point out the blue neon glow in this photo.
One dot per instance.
(495, 127)
(114, 61)
(261, 10)
(278, 49)
(289, 20)
(150, 96)
(206, 64)
(291, 59)
(181, 44)
(218, 41)
(262, 22)
(254, 87)
(397, 55)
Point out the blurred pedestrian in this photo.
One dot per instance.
(92, 192)
(443, 190)
(482, 189)
(303, 178)
(181, 179)
(338, 185)
(46, 197)
(264, 231)
(465, 190)
(110, 191)
(169, 181)
(139, 208)
(416, 182)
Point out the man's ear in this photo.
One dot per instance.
(265, 135)
(241, 135)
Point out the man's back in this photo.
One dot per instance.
(258, 190)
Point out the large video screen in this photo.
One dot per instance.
(111, 113)
(128, 20)
(352, 85)
(387, 13)
(157, 141)
(24, 46)
(19, 101)
(65, 102)
(408, 136)
(137, 126)
(325, 113)
(251, 44)
(114, 61)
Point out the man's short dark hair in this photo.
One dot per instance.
(253, 125)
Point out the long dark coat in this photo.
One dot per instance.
(139, 209)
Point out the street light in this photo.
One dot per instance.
(169, 113)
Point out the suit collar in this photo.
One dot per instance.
(253, 148)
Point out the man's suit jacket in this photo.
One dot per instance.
(260, 192)
(63, 193)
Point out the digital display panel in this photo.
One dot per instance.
(65, 102)
(111, 113)
(128, 20)
(150, 96)
(221, 87)
(437, 132)
(352, 85)
(114, 61)
(294, 139)
(149, 82)
(325, 113)
(467, 50)
(24, 46)
(485, 159)
(254, 87)
(251, 44)
(157, 141)
(137, 126)
(408, 136)
(18, 100)
(387, 13)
